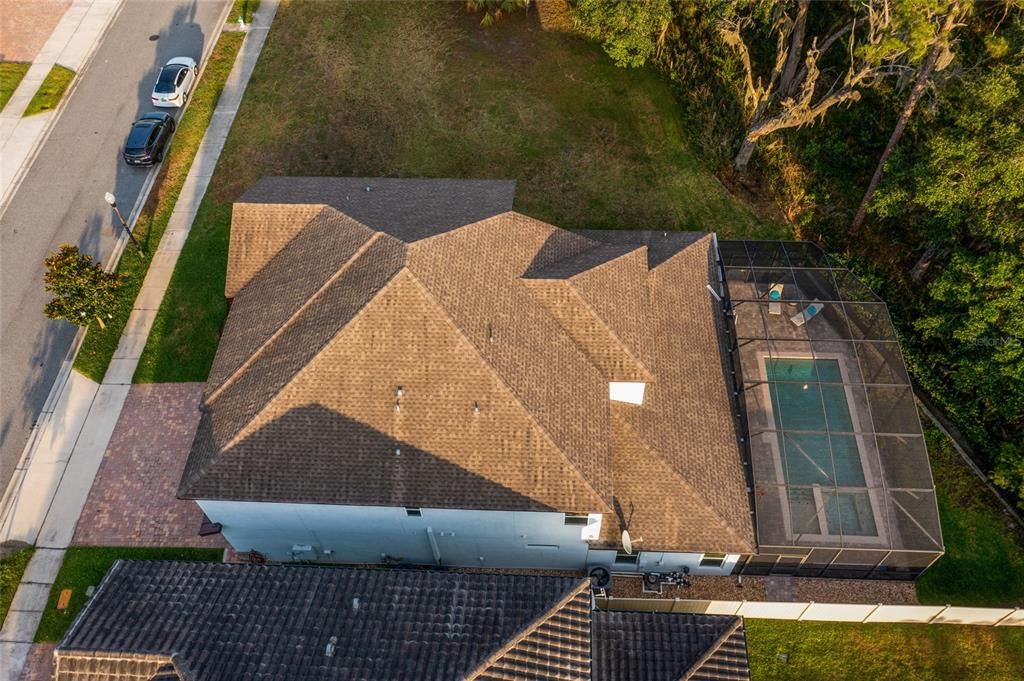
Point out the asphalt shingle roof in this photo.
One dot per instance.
(397, 355)
(181, 621)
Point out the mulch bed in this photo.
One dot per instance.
(700, 589)
(753, 589)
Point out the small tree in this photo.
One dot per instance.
(82, 291)
(629, 29)
(494, 9)
(1009, 470)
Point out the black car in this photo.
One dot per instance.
(148, 139)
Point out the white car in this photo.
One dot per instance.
(175, 82)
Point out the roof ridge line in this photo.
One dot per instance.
(504, 384)
(236, 438)
(707, 236)
(233, 376)
(686, 483)
(603, 244)
(531, 628)
(714, 648)
(589, 308)
(432, 237)
(611, 331)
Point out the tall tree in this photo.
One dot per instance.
(877, 37)
(82, 291)
(939, 56)
(959, 191)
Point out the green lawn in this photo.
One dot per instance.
(47, 97)
(244, 9)
(984, 561)
(421, 90)
(85, 566)
(11, 569)
(881, 652)
(11, 73)
(99, 344)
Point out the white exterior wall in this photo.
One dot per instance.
(364, 534)
(660, 561)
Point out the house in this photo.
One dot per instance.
(181, 621)
(412, 372)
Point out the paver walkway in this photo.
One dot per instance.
(39, 665)
(132, 501)
(781, 588)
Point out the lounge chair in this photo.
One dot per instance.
(775, 299)
(813, 309)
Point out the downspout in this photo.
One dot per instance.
(434, 548)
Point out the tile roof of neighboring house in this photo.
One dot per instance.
(378, 356)
(642, 646)
(217, 621)
(180, 621)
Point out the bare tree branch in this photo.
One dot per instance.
(797, 95)
(796, 46)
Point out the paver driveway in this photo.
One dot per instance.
(132, 502)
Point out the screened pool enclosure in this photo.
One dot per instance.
(840, 477)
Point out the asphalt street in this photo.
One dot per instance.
(61, 197)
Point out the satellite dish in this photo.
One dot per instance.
(627, 543)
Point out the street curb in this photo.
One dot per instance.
(133, 216)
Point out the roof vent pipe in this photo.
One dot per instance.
(476, 409)
(331, 645)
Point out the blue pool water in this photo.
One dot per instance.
(815, 431)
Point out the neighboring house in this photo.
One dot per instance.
(411, 372)
(178, 621)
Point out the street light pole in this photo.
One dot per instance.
(112, 200)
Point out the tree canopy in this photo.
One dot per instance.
(82, 291)
(628, 29)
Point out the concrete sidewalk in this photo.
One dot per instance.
(71, 447)
(71, 44)
(27, 610)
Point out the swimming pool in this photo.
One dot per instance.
(819, 452)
